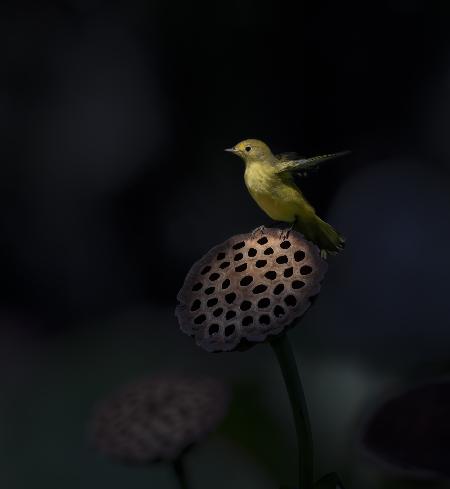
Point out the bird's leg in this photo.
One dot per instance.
(324, 254)
(284, 234)
(258, 230)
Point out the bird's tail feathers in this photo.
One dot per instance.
(325, 237)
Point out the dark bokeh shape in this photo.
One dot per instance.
(249, 424)
(158, 418)
(412, 430)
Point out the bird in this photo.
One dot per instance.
(270, 180)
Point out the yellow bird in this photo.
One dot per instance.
(270, 180)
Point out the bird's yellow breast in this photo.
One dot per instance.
(280, 200)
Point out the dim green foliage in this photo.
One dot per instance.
(329, 481)
(249, 424)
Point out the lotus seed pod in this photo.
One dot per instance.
(249, 287)
(408, 433)
(158, 418)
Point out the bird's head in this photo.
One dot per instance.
(252, 150)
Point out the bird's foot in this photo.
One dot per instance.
(258, 230)
(284, 233)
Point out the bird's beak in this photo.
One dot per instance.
(231, 150)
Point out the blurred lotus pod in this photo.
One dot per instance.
(409, 432)
(249, 287)
(158, 418)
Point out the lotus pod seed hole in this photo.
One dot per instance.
(282, 259)
(200, 319)
(271, 275)
(278, 289)
(238, 256)
(265, 302)
(299, 255)
(205, 270)
(183, 411)
(247, 280)
(252, 252)
(217, 312)
(297, 284)
(166, 419)
(246, 305)
(264, 319)
(268, 251)
(247, 321)
(213, 329)
(230, 315)
(210, 290)
(230, 298)
(226, 283)
(197, 286)
(241, 268)
(259, 289)
(195, 305)
(214, 276)
(285, 245)
(288, 272)
(262, 241)
(290, 300)
(224, 265)
(239, 245)
(230, 329)
(279, 311)
(212, 302)
(305, 270)
(220, 256)
(261, 263)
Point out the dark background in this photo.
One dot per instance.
(114, 117)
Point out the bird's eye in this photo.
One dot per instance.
(248, 148)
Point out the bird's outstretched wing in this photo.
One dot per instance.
(289, 164)
(289, 156)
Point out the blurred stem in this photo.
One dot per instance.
(180, 473)
(286, 359)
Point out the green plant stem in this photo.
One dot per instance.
(283, 351)
(180, 473)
